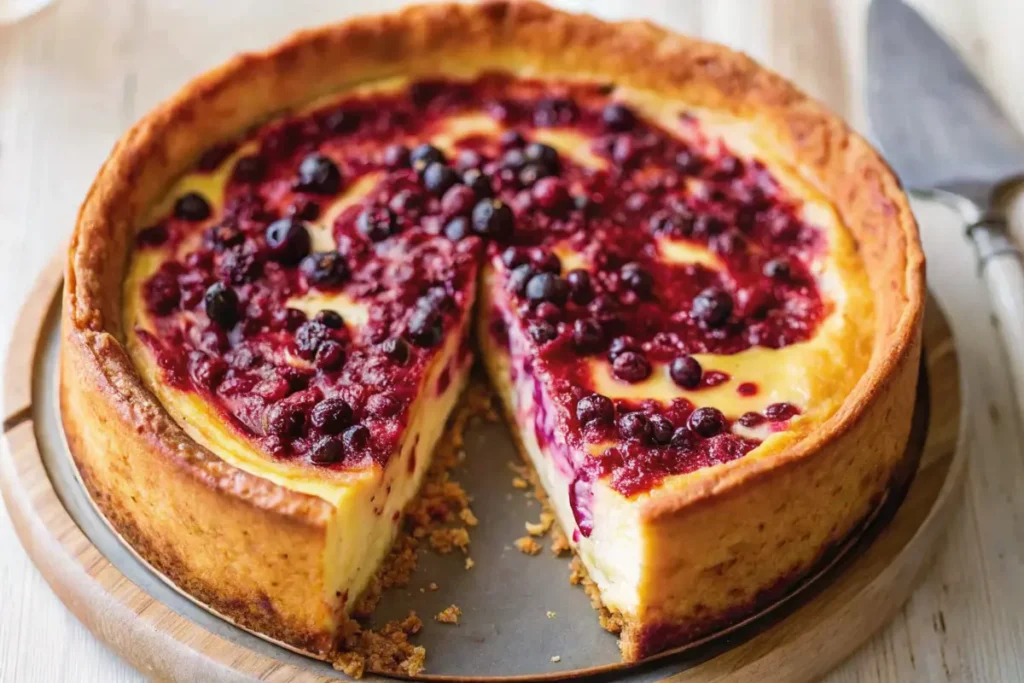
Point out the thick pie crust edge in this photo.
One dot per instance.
(252, 550)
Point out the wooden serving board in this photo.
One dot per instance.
(167, 637)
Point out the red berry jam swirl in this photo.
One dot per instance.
(409, 250)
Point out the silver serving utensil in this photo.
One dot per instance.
(948, 140)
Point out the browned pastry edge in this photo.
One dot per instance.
(183, 507)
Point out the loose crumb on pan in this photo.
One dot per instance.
(439, 516)
(470, 563)
(559, 542)
(540, 528)
(556, 659)
(519, 482)
(552, 615)
(528, 545)
(449, 615)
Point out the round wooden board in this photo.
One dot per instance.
(800, 640)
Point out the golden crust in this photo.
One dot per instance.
(147, 475)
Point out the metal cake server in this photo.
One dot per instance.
(948, 140)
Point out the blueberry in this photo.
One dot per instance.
(595, 409)
(308, 338)
(513, 257)
(424, 155)
(330, 355)
(661, 429)
(192, 207)
(777, 412)
(396, 156)
(581, 290)
(477, 180)
(635, 426)
(587, 335)
(457, 229)
(326, 451)
(331, 319)
(325, 269)
(288, 241)
(331, 415)
(618, 117)
(547, 287)
(686, 372)
(425, 327)
(621, 345)
(777, 269)
(318, 175)
(631, 367)
(397, 349)
(542, 331)
(706, 422)
(712, 306)
(356, 438)
(637, 279)
(493, 219)
(342, 121)
(438, 177)
(377, 223)
(221, 304)
(544, 155)
(511, 139)
(518, 279)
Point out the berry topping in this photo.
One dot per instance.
(548, 311)
(303, 208)
(308, 338)
(636, 279)
(618, 117)
(458, 201)
(686, 372)
(397, 156)
(326, 451)
(635, 426)
(221, 303)
(513, 257)
(493, 219)
(587, 335)
(424, 155)
(318, 175)
(249, 169)
(325, 269)
(438, 177)
(777, 269)
(224, 236)
(331, 415)
(543, 155)
(477, 181)
(329, 356)
(548, 262)
(518, 279)
(382, 405)
(457, 229)
(192, 207)
(331, 319)
(284, 419)
(397, 349)
(580, 288)
(712, 306)
(547, 287)
(661, 429)
(595, 409)
(550, 194)
(706, 422)
(356, 438)
(162, 293)
(631, 367)
(751, 419)
(425, 326)
(777, 412)
(288, 241)
(511, 139)
(542, 331)
(377, 223)
(622, 344)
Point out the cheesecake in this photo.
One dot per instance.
(697, 294)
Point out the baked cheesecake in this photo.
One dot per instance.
(696, 292)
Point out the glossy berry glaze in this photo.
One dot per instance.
(416, 225)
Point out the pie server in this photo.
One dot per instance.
(948, 140)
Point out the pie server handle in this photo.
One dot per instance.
(1001, 266)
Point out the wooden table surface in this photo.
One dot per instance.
(74, 77)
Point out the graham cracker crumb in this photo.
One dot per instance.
(610, 621)
(559, 542)
(470, 563)
(519, 483)
(540, 528)
(440, 504)
(450, 615)
(528, 545)
(432, 586)
(556, 659)
(468, 518)
(552, 615)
